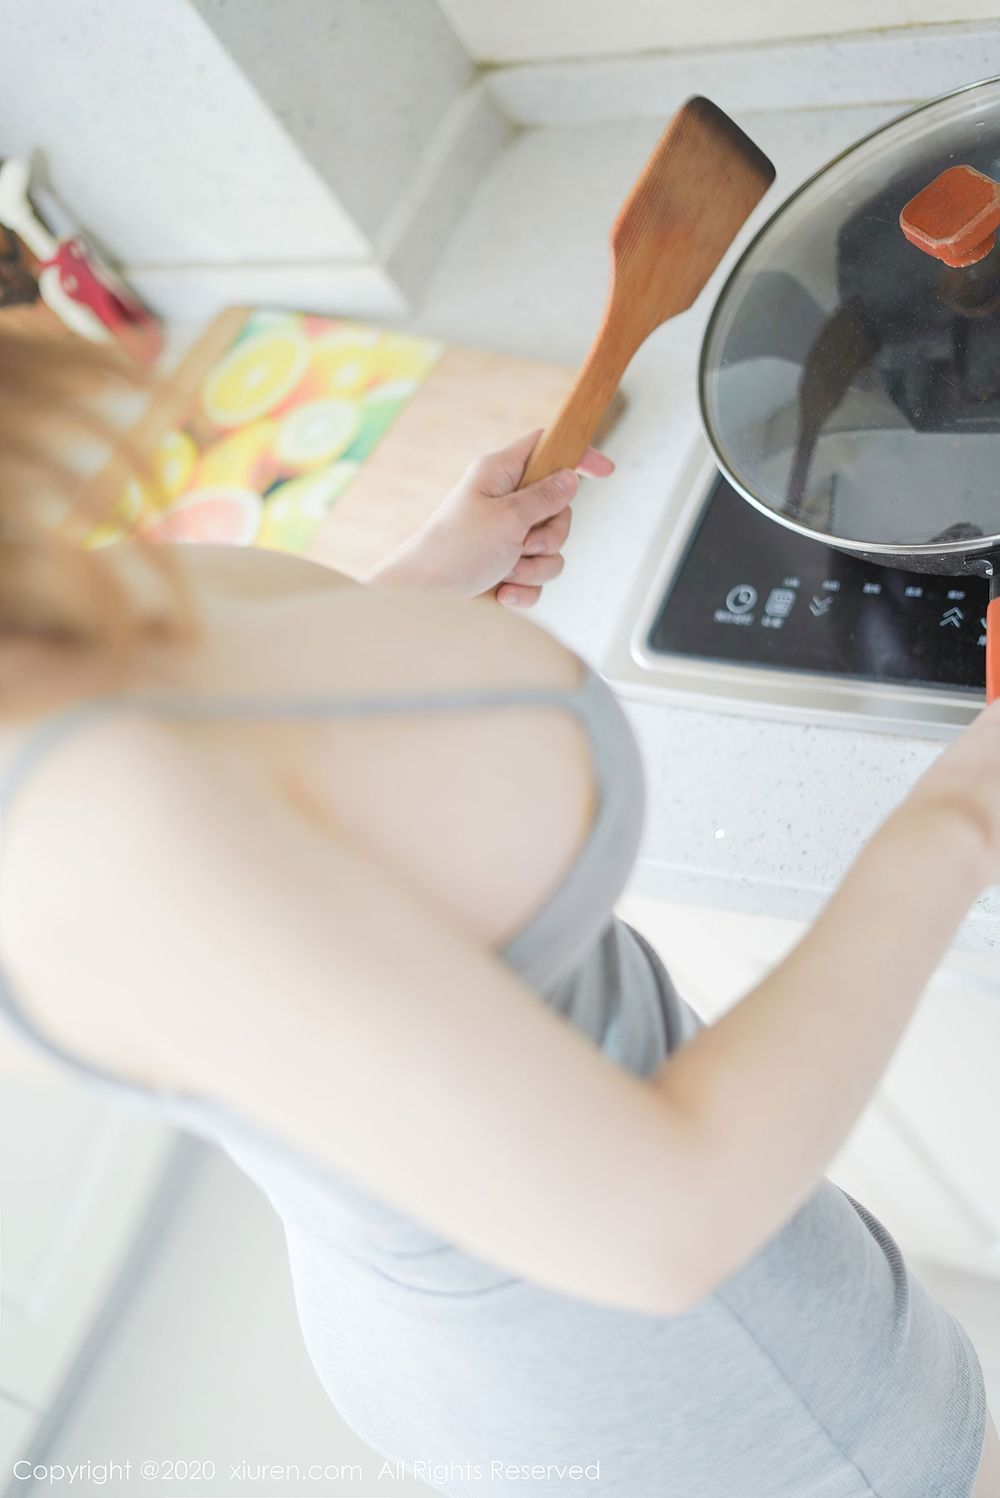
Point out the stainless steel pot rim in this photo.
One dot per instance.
(980, 544)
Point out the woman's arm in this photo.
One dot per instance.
(328, 1003)
(765, 1098)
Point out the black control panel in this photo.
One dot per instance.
(750, 592)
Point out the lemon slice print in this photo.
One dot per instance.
(255, 376)
(294, 510)
(345, 363)
(316, 434)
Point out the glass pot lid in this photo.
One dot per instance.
(850, 381)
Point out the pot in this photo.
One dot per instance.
(850, 377)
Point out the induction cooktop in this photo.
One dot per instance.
(737, 609)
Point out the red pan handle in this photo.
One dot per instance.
(993, 640)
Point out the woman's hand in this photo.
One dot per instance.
(489, 532)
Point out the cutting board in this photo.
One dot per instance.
(472, 402)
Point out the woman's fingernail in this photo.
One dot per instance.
(565, 481)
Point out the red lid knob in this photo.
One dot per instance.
(954, 218)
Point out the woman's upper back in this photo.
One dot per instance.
(433, 737)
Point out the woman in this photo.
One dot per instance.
(326, 872)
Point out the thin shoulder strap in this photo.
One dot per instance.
(62, 725)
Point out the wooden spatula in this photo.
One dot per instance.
(697, 189)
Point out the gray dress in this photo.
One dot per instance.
(821, 1369)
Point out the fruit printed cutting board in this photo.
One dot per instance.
(281, 410)
(318, 435)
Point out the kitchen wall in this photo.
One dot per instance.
(861, 69)
(155, 137)
(309, 152)
(321, 152)
(527, 30)
(335, 80)
(382, 101)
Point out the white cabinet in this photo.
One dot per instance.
(924, 1157)
(77, 1175)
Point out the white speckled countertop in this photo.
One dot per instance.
(527, 274)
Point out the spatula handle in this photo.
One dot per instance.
(563, 444)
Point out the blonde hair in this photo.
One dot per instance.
(54, 405)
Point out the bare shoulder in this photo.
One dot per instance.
(251, 573)
(227, 574)
(137, 857)
(273, 618)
